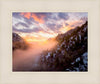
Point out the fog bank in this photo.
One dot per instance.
(27, 60)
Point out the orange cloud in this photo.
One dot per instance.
(36, 18)
(27, 15)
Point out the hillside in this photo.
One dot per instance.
(70, 54)
(18, 42)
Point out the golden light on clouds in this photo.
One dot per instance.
(40, 20)
(36, 37)
(27, 15)
(42, 26)
(46, 35)
(65, 29)
(43, 36)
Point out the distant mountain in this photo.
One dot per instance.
(19, 42)
(70, 54)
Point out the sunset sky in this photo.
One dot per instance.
(39, 26)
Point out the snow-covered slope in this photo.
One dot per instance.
(70, 54)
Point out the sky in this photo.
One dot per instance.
(40, 26)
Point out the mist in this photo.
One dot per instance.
(27, 60)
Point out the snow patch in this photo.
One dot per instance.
(48, 56)
(78, 59)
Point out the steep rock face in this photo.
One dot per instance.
(18, 42)
(70, 54)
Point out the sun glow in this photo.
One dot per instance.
(34, 40)
(65, 29)
(42, 36)
(46, 35)
(36, 37)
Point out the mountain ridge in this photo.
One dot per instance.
(70, 54)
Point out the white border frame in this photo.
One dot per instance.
(9, 77)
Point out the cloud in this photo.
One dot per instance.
(22, 30)
(29, 21)
(37, 29)
(54, 27)
(23, 24)
(66, 24)
(27, 30)
(51, 16)
(27, 15)
(50, 22)
(56, 16)
(38, 18)
(16, 15)
(77, 15)
(77, 23)
(63, 16)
